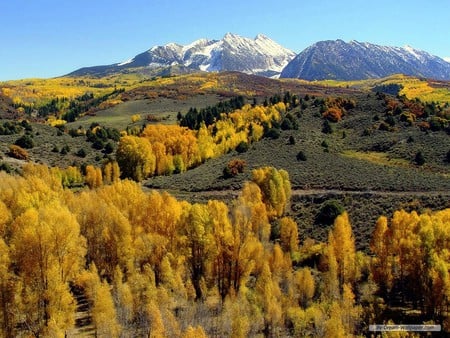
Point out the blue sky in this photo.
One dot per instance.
(47, 38)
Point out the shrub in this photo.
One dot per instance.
(242, 147)
(286, 124)
(291, 140)
(6, 167)
(81, 153)
(384, 126)
(447, 157)
(25, 142)
(109, 148)
(333, 114)
(390, 120)
(328, 212)
(18, 152)
(419, 159)
(326, 127)
(234, 167)
(65, 150)
(273, 133)
(26, 125)
(98, 144)
(301, 156)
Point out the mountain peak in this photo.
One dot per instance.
(233, 52)
(362, 60)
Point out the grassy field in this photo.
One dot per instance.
(163, 109)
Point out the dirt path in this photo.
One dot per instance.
(222, 194)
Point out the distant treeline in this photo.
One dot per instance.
(70, 109)
(194, 118)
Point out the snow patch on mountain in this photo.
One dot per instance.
(260, 55)
(125, 62)
(361, 60)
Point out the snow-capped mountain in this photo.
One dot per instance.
(260, 55)
(361, 60)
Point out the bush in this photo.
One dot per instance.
(447, 157)
(81, 153)
(25, 142)
(242, 147)
(18, 152)
(326, 127)
(419, 159)
(273, 133)
(328, 212)
(333, 114)
(65, 150)
(98, 144)
(390, 120)
(109, 148)
(291, 140)
(234, 167)
(301, 156)
(25, 124)
(6, 167)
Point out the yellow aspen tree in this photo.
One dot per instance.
(5, 219)
(103, 311)
(268, 294)
(332, 286)
(280, 264)
(107, 173)
(48, 255)
(342, 242)
(251, 203)
(275, 187)
(334, 326)
(247, 249)
(288, 235)
(351, 313)
(157, 329)
(108, 234)
(381, 266)
(404, 241)
(6, 293)
(222, 260)
(162, 165)
(92, 179)
(123, 300)
(115, 172)
(198, 241)
(135, 157)
(304, 286)
(206, 145)
(240, 321)
(163, 213)
(194, 332)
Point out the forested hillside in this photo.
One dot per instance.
(150, 264)
(222, 205)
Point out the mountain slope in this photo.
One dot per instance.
(261, 56)
(361, 60)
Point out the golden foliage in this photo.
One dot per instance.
(151, 256)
